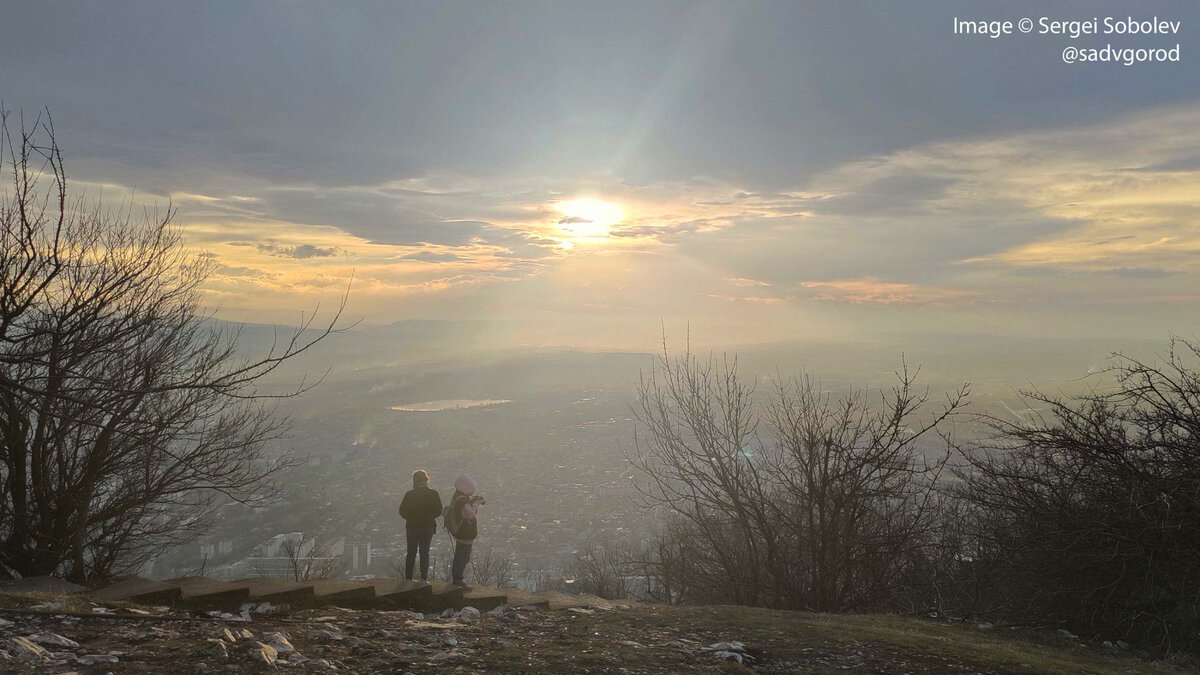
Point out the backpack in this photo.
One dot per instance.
(452, 517)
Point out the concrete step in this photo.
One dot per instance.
(397, 594)
(137, 589)
(354, 594)
(274, 590)
(483, 598)
(205, 592)
(519, 598)
(442, 596)
(42, 585)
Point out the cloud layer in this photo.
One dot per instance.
(781, 168)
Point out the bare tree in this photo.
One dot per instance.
(124, 411)
(856, 497)
(823, 508)
(491, 568)
(308, 560)
(1087, 510)
(609, 569)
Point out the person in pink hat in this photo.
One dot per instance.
(462, 523)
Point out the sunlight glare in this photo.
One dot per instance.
(588, 218)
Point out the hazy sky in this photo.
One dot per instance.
(763, 170)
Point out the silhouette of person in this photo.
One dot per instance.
(467, 502)
(420, 509)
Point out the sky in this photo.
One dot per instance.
(758, 171)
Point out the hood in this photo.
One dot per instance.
(465, 484)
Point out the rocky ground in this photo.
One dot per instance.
(53, 637)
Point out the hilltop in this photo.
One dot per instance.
(603, 638)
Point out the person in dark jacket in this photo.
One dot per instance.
(466, 501)
(420, 509)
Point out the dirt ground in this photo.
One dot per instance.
(513, 640)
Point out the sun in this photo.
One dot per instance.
(588, 218)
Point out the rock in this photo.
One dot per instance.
(262, 653)
(418, 616)
(280, 642)
(500, 642)
(731, 646)
(49, 606)
(22, 649)
(446, 614)
(61, 658)
(218, 647)
(226, 635)
(986, 626)
(581, 610)
(5, 622)
(449, 641)
(1122, 644)
(729, 651)
(245, 634)
(93, 659)
(321, 634)
(501, 610)
(54, 640)
(1108, 645)
(468, 615)
(95, 610)
(1063, 632)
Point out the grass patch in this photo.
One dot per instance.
(76, 603)
(797, 636)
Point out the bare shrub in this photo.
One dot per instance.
(804, 502)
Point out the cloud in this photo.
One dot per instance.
(973, 218)
(432, 257)
(299, 251)
(1046, 271)
(869, 290)
(241, 272)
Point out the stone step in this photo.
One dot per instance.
(137, 589)
(519, 598)
(353, 594)
(205, 592)
(42, 585)
(483, 598)
(442, 596)
(397, 594)
(274, 590)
